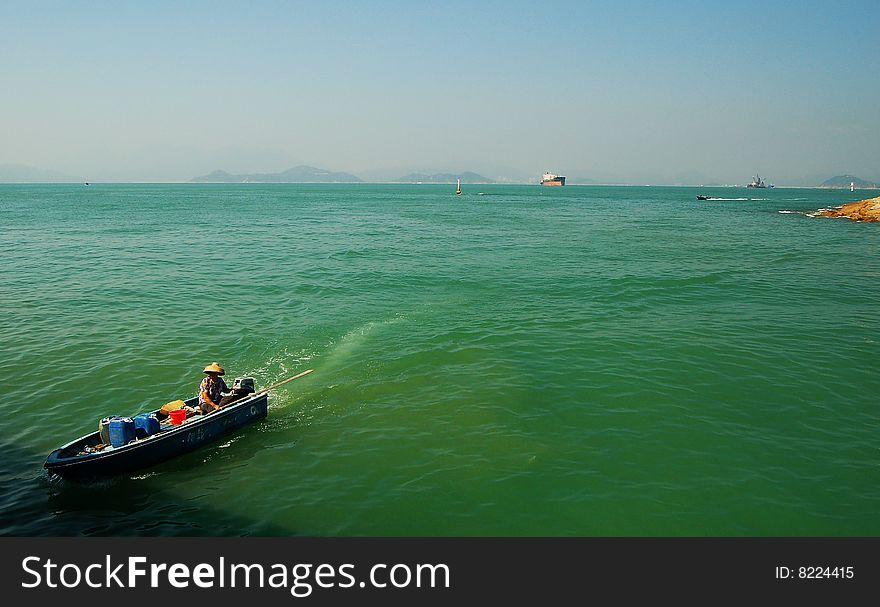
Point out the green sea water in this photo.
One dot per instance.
(515, 361)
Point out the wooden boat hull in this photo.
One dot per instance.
(169, 442)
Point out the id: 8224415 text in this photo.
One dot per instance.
(815, 572)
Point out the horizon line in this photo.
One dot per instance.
(493, 183)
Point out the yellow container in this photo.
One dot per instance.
(172, 406)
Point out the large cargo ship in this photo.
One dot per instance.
(551, 179)
(757, 182)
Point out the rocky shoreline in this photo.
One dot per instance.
(864, 210)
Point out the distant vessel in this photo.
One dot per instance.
(458, 188)
(551, 179)
(702, 197)
(852, 186)
(757, 182)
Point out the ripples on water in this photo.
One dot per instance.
(582, 361)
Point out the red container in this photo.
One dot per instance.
(177, 416)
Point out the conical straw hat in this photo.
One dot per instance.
(214, 368)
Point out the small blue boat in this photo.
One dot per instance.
(83, 458)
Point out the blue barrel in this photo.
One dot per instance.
(122, 431)
(104, 428)
(146, 424)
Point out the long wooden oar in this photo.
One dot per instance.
(272, 387)
(281, 383)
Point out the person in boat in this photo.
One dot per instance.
(212, 388)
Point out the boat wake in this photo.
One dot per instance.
(339, 358)
(341, 351)
(142, 477)
(230, 442)
(282, 364)
(713, 198)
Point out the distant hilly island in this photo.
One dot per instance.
(844, 181)
(466, 177)
(300, 174)
(19, 173)
(308, 174)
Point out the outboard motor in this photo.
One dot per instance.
(242, 386)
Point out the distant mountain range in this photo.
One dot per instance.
(466, 177)
(308, 174)
(843, 181)
(300, 174)
(19, 173)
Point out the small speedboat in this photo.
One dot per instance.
(88, 457)
(702, 197)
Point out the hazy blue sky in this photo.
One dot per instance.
(636, 91)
